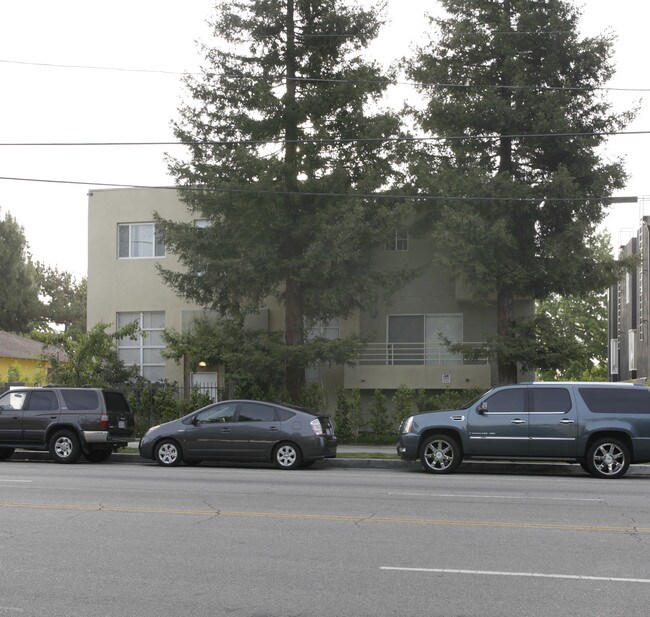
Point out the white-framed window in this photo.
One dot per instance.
(631, 349)
(399, 241)
(613, 356)
(135, 240)
(628, 287)
(145, 350)
(329, 330)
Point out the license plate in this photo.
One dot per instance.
(121, 424)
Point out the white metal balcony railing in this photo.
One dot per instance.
(377, 354)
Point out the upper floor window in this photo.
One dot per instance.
(399, 241)
(139, 240)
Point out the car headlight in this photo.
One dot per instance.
(406, 426)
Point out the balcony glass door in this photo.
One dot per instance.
(449, 327)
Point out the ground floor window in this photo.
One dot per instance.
(145, 349)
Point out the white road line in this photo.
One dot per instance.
(578, 577)
(493, 497)
(12, 609)
(18, 482)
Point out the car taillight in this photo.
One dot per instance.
(103, 421)
(316, 427)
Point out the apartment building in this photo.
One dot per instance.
(124, 286)
(629, 342)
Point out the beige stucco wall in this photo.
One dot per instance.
(121, 285)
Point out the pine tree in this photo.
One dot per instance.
(519, 94)
(278, 172)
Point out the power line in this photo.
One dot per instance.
(307, 80)
(384, 196)
(260, 142)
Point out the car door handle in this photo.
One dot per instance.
(567, 421)
(226, 430)
(517, 421)
(273, 429)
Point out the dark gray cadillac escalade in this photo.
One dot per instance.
(602, 426)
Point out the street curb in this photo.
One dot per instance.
(474, 467)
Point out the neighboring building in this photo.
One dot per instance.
(628, 306)
(24, 356)
(123, 286)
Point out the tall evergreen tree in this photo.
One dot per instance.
(519, 93)
(19, 303)
(285, 139)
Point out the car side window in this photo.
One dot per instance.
(511, 400)
(80, 400)
(42, 401)
(13, 400)
(223, 412)
(550, 400)
(254, 412)
(284, 414)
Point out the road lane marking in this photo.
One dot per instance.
(361, 518)
(494, 497)
(579, 577)
(17, 482)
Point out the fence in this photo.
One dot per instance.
(420, 354)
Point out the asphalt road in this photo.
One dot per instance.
(139, 540)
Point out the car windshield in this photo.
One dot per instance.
(474, 400)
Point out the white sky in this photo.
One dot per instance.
(52, 104)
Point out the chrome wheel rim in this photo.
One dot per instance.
(167, 454)
(63, 447)
(439, 455)
(286, 456)
(609, 459)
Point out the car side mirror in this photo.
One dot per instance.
(482, 408)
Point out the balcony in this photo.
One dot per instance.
(386, 366)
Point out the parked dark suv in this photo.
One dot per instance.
(602, 426)
(67, 422)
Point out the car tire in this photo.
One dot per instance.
(168, 453)
(287, 456)
(608, 458)
(6, 453)
(98, 455)
(440, 454)
(65, 447)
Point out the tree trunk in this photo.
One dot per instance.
(294, 336)
(294, 309)
(506, 368)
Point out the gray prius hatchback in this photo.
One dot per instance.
(287, 436)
